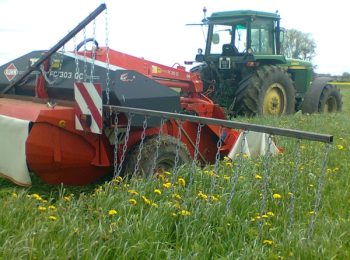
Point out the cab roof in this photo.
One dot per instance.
(242, 14)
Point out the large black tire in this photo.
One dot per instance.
(165, 160)
(267, 91)
(330, 100)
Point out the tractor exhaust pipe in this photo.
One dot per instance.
(55, 48)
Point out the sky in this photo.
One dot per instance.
(156, 29)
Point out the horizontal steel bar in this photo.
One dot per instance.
(229, 124)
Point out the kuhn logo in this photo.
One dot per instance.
(11, 72)
(126, 78)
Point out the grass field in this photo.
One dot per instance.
(167, 218)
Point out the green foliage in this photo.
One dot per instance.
(298, 45)
(167, 218)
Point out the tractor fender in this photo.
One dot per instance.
(312, 96)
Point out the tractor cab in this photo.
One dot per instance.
(238, 36)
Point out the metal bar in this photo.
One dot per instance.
(229, 124)
(55, 48)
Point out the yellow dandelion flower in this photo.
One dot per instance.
(215, 197)
(340, 147)
(245, 156)
(37, 197)
(167, 173)
(181, 182)
(157, 191)
(173, 214)
(264, 216)
(133, 192)
(145, 200)
(202, 196)
(117, 179)
(52, 218)
(132, 201)
(167, 185)
(270, 213)
(52, 207)
(176, 196)
(226, 158)
(66, 198)
(267, 242)
(14, 195)
(312, 212)
(229, 164)
(41, 208)
(276, 196)
(258, 177)
(290, 193)
(155, 205)
(112, 212)
(185, 213)
(226, 177)
(311, 185)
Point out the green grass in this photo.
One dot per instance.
(58, 222)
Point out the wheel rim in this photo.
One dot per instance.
(330, 105)
(275, 100)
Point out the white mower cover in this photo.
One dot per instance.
(13, 136)
(255, 144)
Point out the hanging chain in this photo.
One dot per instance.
(156, 154)
(217, 158)
(116, 144)
(321, 182)
(237, 170)
(85, 61)
(196, 152)
(139, 155)
(125, 146)
(293, 184)
(93, 52)
(177, 149)
(265, 184)
(107, 57)
(76, 76)
(218, 147)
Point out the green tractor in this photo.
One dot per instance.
(244, 71)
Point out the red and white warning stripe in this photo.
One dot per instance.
(88, 97)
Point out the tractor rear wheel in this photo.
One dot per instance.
(267, 91)
(330, 100)
(166, 156)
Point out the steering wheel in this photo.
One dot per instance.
(86, 41)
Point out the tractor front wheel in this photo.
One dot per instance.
(330, 100)
(267, 91)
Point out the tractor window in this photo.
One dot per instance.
(262, 37)
(241, 38)
(222, 34)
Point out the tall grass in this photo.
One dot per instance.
(166, 218)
